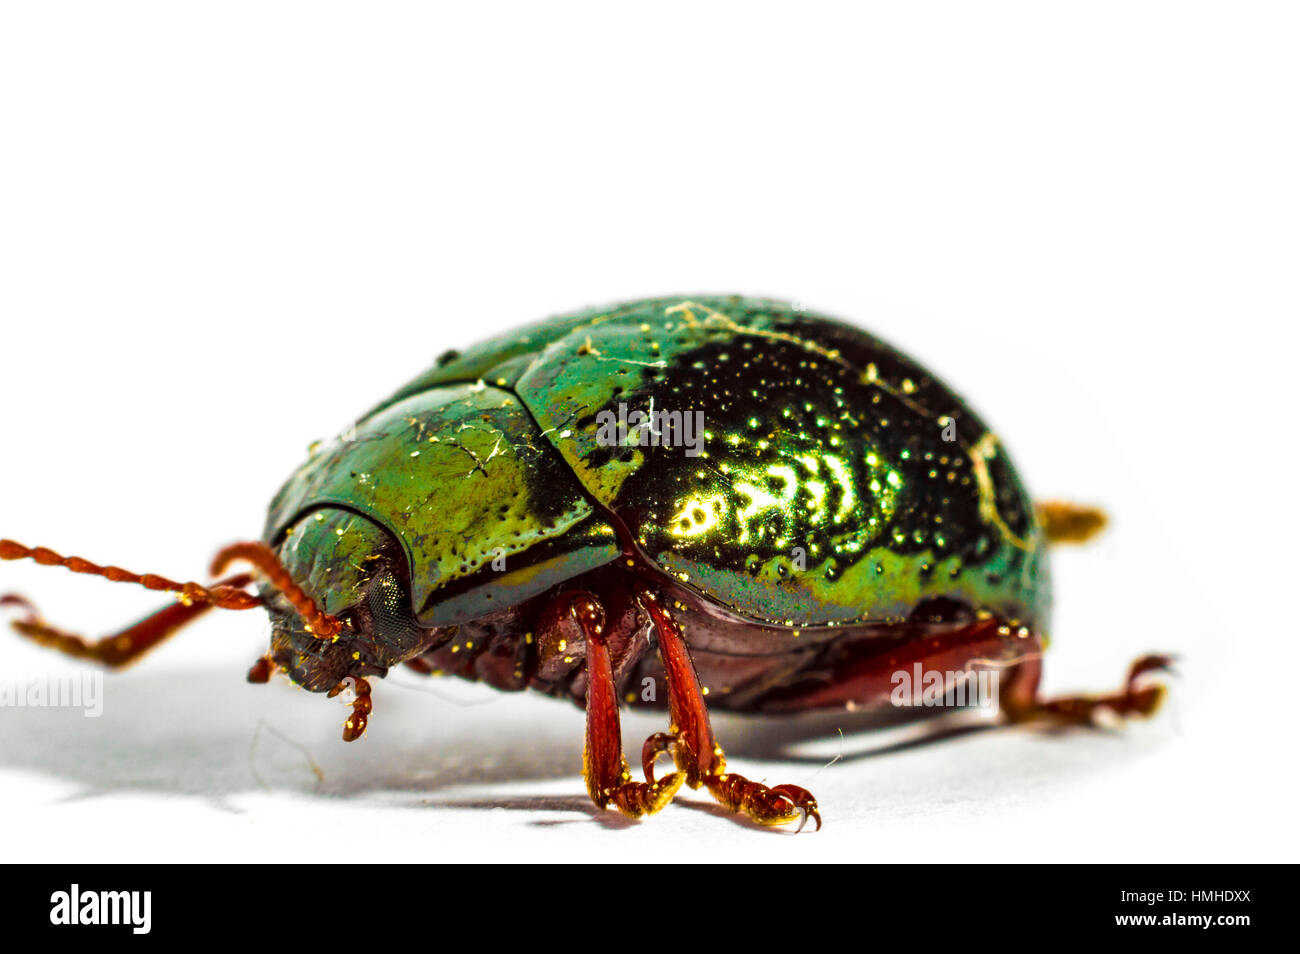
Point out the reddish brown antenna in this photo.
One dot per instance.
(264, 558)
(222, 595)
(195, 599)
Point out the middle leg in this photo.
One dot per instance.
(694, 748)
(605, 767)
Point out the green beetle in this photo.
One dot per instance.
(721, 496)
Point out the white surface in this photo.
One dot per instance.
(223, 234)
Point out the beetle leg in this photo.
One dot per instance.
(1069, 523)
(655, 746)
(695, 749)
(1139, 697)
(123, 648)
(605, 767)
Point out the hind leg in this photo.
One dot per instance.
(1138, 696)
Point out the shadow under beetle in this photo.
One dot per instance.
(844, 517)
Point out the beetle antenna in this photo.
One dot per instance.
(221, 595)
(264, 559)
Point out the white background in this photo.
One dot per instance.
(226, 229)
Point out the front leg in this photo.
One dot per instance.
(608, 780)
(694, 747)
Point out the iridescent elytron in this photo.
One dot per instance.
(838, 481)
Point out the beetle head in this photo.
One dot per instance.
(355, 572)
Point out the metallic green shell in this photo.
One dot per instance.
(837, 481)
(460, 477)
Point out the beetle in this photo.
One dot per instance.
(721, 496)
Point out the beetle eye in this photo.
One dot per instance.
(394, 629)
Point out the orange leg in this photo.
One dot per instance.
(1069, 523)
(1138, 697)
(125, 647)
(694, 748)
(608, 780)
